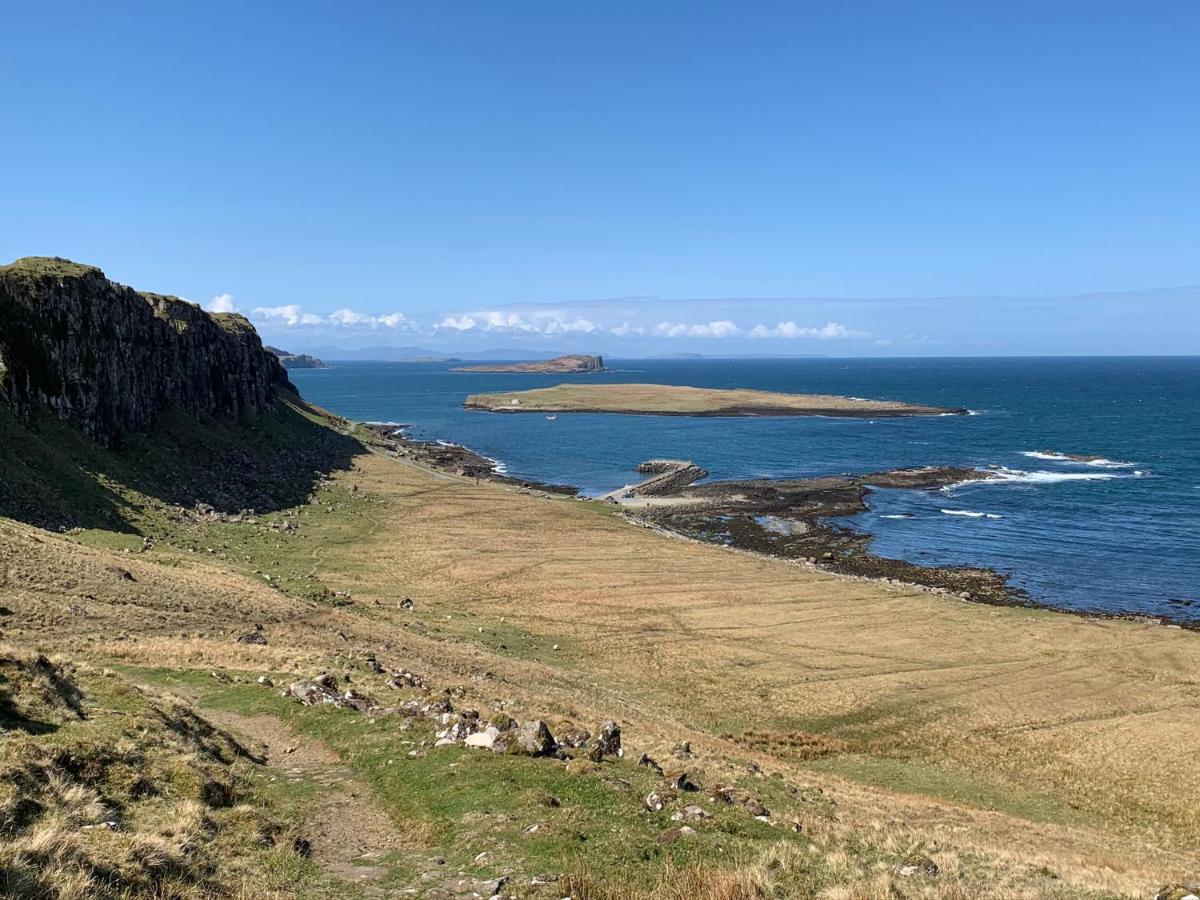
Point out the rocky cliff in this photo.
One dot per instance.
(291, 360)
(108, 358)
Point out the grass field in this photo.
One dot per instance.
(1028, 753)
(665, 399)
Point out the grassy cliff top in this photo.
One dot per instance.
(48, 265)
(674, 400)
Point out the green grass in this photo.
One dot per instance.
(47, 265)
(85, 746)
(475, 800)
(55, 477)
(931, 780)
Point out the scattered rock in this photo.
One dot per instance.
(265, 681)
(691, 813)
(682, 750)
(658, 799)
(682, 781)
(647, 761)
(1187, 891)
(252, 637)
(405, 679)
(918, 865)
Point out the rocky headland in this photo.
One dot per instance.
(108, 358)
(291, 360)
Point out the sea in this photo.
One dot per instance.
(1120, 534)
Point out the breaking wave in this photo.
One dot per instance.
(1099, 462)
(971, 514)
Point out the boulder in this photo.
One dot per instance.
(353, 699)
(483, 740)
(608, 741)
(682, 781)
(574, 736)
(534, 739)
(658, 799)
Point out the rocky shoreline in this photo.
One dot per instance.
(785, 519)
(454, 459)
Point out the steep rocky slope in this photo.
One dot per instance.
(109, 359)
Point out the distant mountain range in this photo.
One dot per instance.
(399, 354)
(508, 354)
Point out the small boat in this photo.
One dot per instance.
(551, 418)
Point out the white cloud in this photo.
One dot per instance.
(397, 320)
(291, 315)
(718, 329)
(350, 318)
(497, 322)
(222, 303)
(827, 332)
(626, 330)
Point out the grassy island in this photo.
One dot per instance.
(673, 400)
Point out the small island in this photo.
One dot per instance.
(674, 400)
(561, 365)
(296, 360)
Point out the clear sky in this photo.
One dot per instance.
(464, 174)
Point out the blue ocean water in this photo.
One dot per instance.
(1117, 536)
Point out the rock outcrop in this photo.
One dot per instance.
(291, 360)
(108, 358)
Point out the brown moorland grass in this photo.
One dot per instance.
(1024, 737)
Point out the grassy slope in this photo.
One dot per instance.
(491, 621)
(672, 399)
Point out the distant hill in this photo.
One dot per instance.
(296, 360)
(560, 365)
(425, 354)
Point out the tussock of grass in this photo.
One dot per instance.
(106, 792)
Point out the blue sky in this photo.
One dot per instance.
(482, 174)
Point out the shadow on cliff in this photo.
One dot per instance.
(53, 477)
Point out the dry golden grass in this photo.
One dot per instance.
(915, 713)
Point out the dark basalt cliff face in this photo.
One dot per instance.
(108, 358)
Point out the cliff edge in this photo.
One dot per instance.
(108, 358)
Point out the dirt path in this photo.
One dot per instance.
(349, 835)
